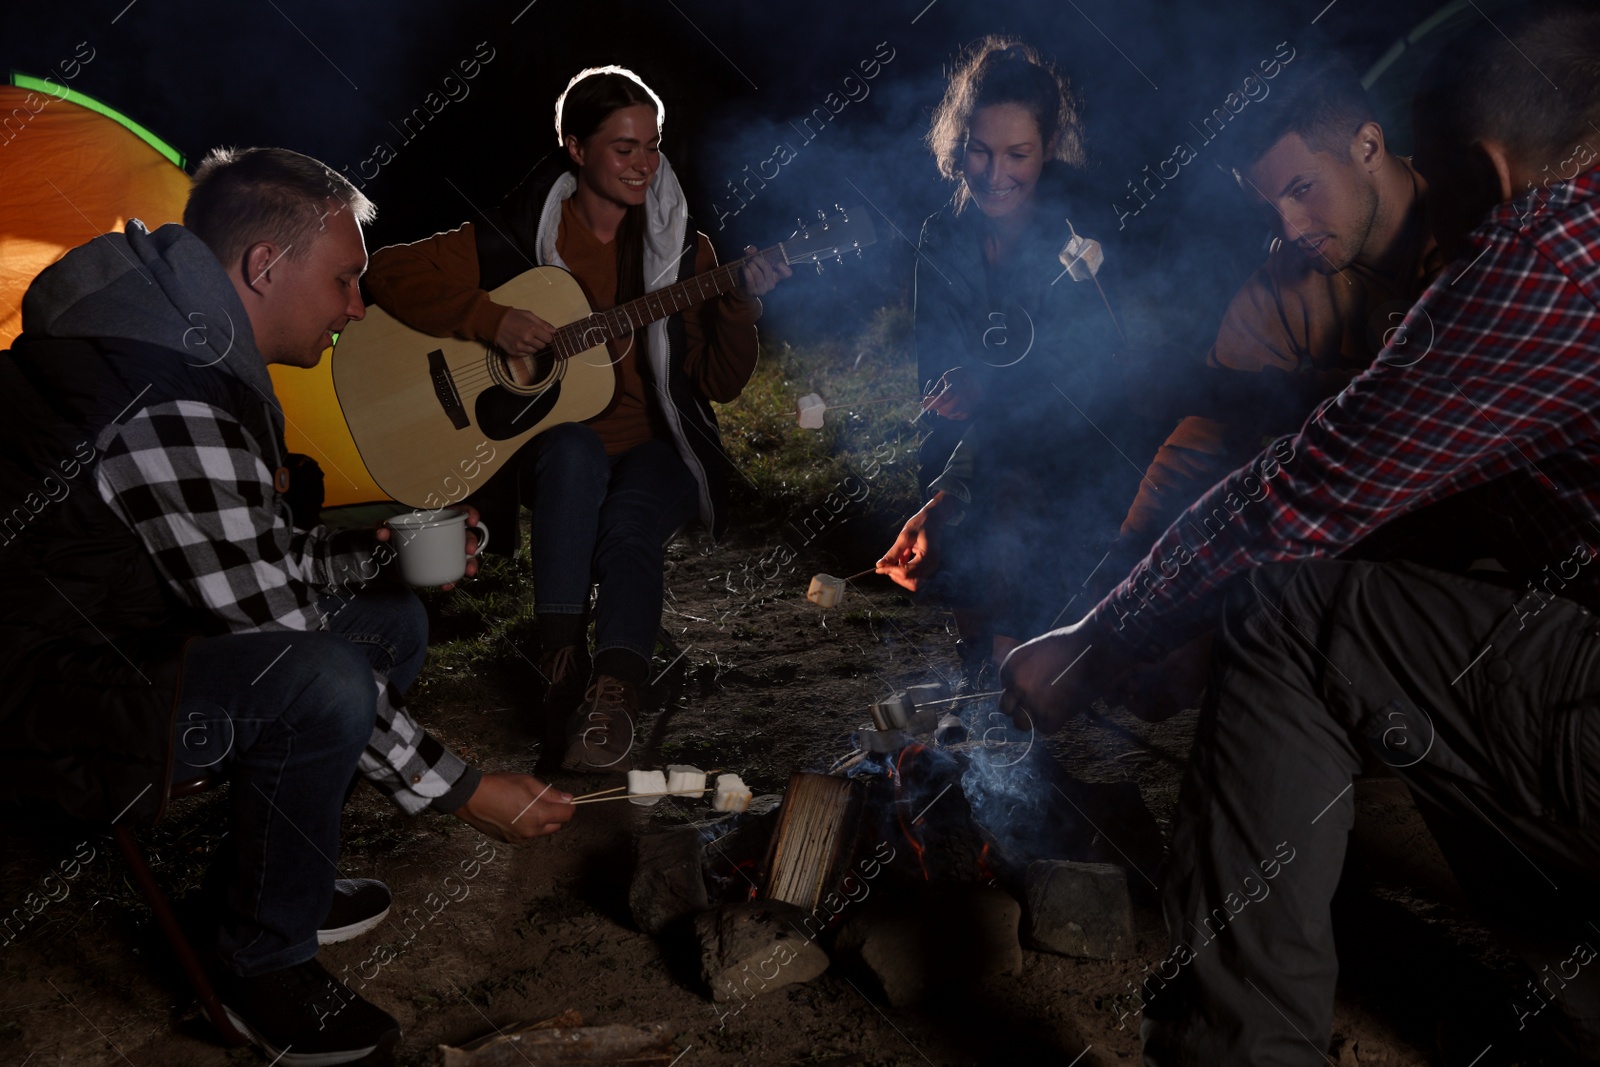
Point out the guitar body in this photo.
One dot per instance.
(434, 417)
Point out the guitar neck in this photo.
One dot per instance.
(602, 326)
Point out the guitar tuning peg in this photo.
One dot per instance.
(858, 252)
(821, 214)
(819, 266)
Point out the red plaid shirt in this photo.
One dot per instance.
(1493, 376)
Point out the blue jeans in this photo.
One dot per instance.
(285, 715)
(605, 516)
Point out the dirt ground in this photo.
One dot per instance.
(766, 685)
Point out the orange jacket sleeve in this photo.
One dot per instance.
(1255, 334)
(432, 285)
(720, 338)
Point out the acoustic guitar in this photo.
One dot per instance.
(434, 417)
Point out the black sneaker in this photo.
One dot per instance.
(302, 1016)
(359, 904)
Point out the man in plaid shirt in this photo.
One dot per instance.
(167, 618)
(1480, 694)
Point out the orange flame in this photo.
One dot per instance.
(900, 813)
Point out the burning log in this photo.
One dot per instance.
(565, 1042)
(813, 839)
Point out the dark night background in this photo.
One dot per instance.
(336, 79)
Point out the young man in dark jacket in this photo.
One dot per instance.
(161, 614)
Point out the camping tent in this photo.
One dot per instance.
(76, 169)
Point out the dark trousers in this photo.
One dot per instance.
(606, 517)
(286, 715)
(1481, 698)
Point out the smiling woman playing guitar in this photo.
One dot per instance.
(605, 494)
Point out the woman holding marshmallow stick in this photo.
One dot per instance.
(1017, 345)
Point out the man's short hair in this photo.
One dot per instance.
(1530, 81)
(244, 195)
(1322, 101)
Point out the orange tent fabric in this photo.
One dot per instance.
(72, 174)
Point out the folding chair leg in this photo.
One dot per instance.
(168, 922)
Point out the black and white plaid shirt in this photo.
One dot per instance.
(189, 480)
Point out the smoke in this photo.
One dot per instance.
(1007, 787)
(773, 112)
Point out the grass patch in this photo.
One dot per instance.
(785, 471)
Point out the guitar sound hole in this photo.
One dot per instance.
(529, 372)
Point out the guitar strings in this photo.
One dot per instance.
(479, 377)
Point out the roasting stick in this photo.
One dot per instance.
(599, 793)
(636, 796)
(862, 574)
(959, 699)
(1091, 717)
(878, 400)
(619, 788)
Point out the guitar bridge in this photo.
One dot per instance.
(444, 387)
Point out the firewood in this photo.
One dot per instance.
(815, 832)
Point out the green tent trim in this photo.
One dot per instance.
(61, 92)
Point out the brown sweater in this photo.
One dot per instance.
(432, 285)
(1320, 329)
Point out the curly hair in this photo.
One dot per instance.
(1003, 70)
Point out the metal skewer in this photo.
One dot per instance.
(959, 699)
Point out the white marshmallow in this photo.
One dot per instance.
(826, 591)
(731, 795)
(650, 782)
(684, 780)
(1082, 256)
(810, 409)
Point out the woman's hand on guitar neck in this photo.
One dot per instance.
(758, 277)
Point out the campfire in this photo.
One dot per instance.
(930, 853)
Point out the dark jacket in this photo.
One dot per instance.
(1045, 347)
(91, 636)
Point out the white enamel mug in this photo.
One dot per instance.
(433, 544)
